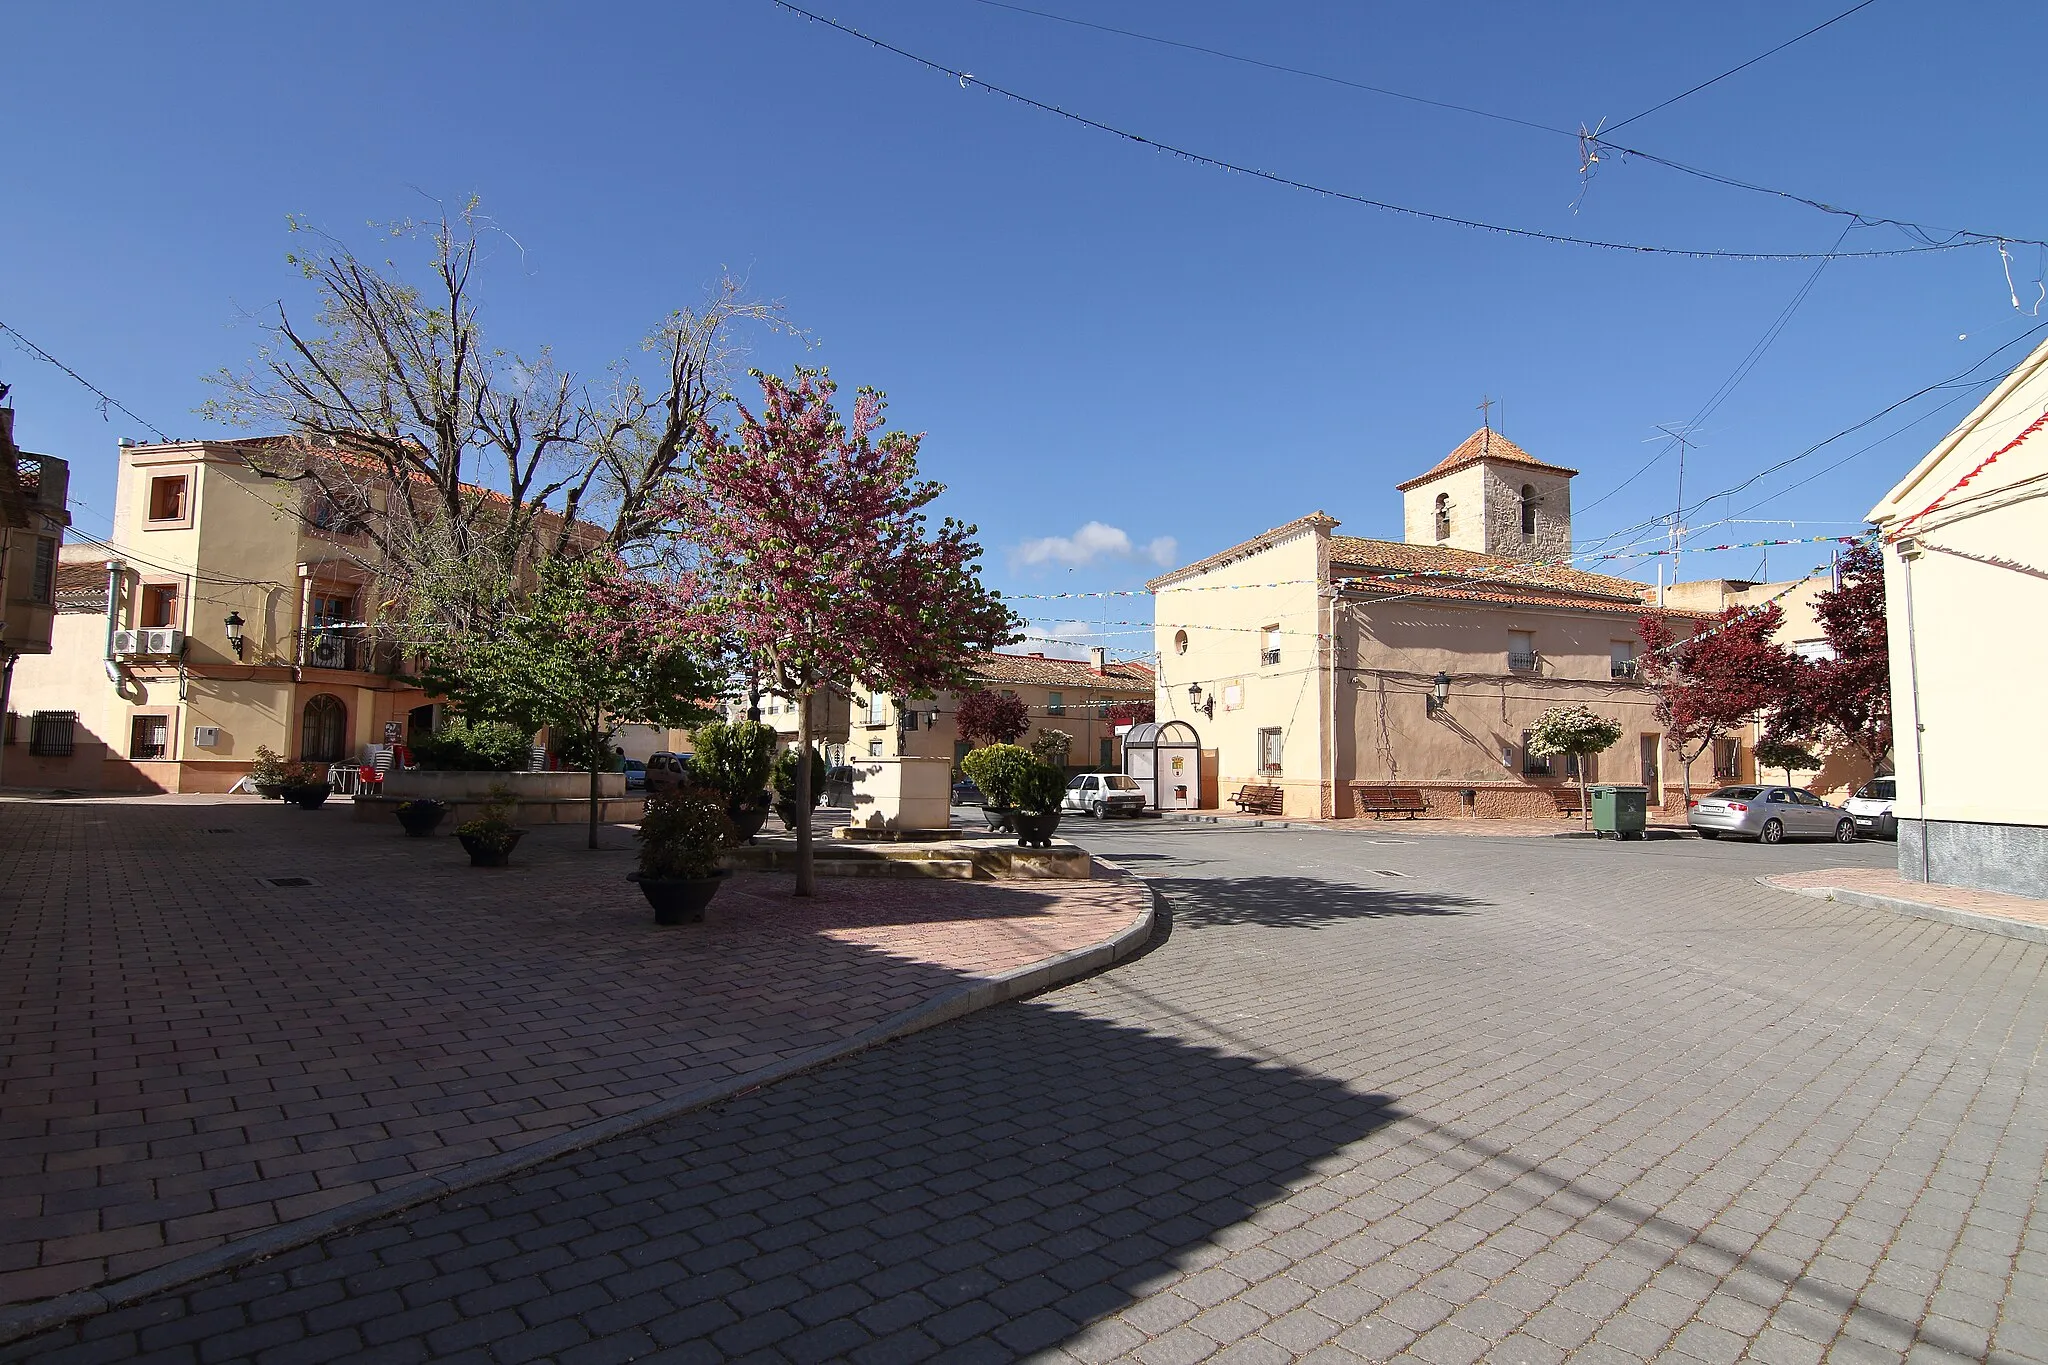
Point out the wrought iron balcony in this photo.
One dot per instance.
(338, 644)
(1623, 668)
(1269, 656)
(1521, 663)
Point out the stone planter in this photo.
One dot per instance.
(747, 821)
(1034, 828)
(679, 900)
(309, 797)
(422, 817)
(491, 851)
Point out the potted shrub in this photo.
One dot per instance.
(421, 816)
(737, 758)
(305, 784)
(490, 838)
(998, 769)
(784, 782)
(1038, 796)
(267, 774)
(680, 838)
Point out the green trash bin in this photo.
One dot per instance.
(1620, 811)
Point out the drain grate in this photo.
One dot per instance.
(290, 881)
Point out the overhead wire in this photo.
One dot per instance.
(106, 399)
(969, 80)
(1715, 80)
(1919, 231)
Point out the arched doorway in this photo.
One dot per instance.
(323, 730)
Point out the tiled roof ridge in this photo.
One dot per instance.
(1402, 557)
(1483, 444)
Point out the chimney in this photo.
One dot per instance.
(1098, 658)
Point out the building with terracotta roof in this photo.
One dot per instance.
(146, 688)
(1310, 661)
(1073, 696)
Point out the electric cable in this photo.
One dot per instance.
(968, 79)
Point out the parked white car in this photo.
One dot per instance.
(1103, 795)
(1873, 808)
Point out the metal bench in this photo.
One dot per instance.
(1260, 800)
(1382, 801)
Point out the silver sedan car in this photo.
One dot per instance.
(1770, 815)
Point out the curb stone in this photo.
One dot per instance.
(1962, 919)
(1238, 822)
(27, 1320)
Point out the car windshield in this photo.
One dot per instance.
(1880, 789)
(1118, 782)
(1738, 793)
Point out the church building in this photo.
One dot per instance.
(1318, 663)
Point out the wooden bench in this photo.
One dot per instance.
(1260, 800)
(1382, 801)
(1569, 800)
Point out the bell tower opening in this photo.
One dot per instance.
(1493, 497)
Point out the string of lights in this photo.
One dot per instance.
(968, 80)
(106, 400)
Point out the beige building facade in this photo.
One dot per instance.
(145, 689)
(33, 515)
(1310, 661)
(1073, 696)
(1966, 591)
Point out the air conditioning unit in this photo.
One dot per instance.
(127, 642)
(161, 641)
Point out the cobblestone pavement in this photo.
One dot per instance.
(1886, 882)
(1435, 1100)
(190, 1052)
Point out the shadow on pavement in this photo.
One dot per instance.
(996, 1185)
(1297, 902)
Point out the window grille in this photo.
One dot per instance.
(50, 733)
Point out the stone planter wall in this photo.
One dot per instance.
(464, 786)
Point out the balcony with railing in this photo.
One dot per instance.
(346, 645)
(1269, 656)
(1521, 663)
(1622, 668)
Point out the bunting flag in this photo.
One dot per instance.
(2014, 444)
(1508, 567)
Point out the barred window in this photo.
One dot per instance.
(149, 737)
(49, 733)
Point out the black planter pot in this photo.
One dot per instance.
(270, 791)
(491, 852)
(1034, 830)
(1000, 818)
(679, 900)
(747, 820)
(308, 797)
(423, 818)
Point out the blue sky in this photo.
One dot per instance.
(1089, 331)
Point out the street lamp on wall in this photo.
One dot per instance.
(1195, 702)
(234, 623)
(1439, 694)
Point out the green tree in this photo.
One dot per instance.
(1779, 753)
(1576, 731)
(558, 663)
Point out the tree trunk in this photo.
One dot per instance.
(597, 761)
(806, 872)
(1585, 811)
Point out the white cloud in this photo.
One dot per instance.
(1095, 540)
(1055, 644)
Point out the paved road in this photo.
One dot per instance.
(1443, 1099)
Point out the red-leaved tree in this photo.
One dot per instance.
(1844, 701)
(1720, 678)
(804, 545)
(1131, 713)
(992, 717)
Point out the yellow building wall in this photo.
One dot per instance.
(1209, 630)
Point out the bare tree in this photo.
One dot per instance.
(447, 469)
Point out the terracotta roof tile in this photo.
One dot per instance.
(998, 667)
(1483, 444)
(1490, 577)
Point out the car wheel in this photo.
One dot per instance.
(1102, 812)
(1709, 833)
(1845, 832)
(1773, 832)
